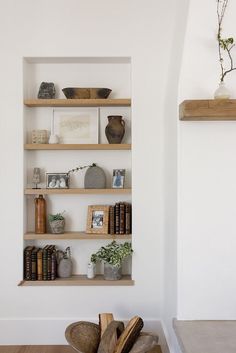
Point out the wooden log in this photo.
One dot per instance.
(109, 338)
(129, 335)
(104, 320)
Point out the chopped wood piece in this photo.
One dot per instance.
(129, 335)
(104, 320)
(109, 338)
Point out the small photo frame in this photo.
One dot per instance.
(97, 219)
(57, 181)
(118, 179)
(76, 125)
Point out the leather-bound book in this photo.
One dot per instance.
(40, 265)
(54, 265)
(128, 218)
(34, 264)
(122, 218)
(117, 218)
(112, 220)
(45, 263)
(27, 263)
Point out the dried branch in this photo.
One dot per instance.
(224, 45)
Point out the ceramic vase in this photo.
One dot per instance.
(222, 92)
(40, 215)
(64, 269)
(115, 129)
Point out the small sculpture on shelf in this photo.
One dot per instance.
(47, 90)
(36, 177)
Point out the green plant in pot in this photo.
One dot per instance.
(112, 255)
(57, 223)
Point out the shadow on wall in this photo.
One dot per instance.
(170, 120)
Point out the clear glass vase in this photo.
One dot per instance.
(222, 92)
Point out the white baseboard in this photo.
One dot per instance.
(40, 331)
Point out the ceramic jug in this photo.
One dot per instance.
(115, 129)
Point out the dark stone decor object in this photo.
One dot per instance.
(47, 90)
(95, 178)
(115, 129)
(86, 93)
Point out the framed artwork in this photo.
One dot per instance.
(97, 219)
(57, 181)
(76, 125)
(118, 179)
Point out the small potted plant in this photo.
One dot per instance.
(57, 223)
(112, 255)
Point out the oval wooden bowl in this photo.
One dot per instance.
(83, 336)
(86, 93)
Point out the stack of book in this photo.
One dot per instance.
(40, 264)
(120, 218)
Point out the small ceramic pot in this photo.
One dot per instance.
(111, 273)
(58, 226)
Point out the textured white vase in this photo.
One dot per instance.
(222, 92)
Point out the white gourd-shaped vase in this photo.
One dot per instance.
(222, 92)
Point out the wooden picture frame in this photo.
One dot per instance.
(97, 219)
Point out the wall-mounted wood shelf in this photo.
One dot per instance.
(76, 191)
(208, 110)
(81, 280)
(76, 235)
(125, 102)
(100, 146)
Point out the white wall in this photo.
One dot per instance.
(207, 173)
(139, 29)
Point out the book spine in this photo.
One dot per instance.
(45, 263)
(40, 265)
(27, 263)
(49, 262)
(117, 218)
(34, 265)
(54, 265)
(112, 220)
(128, 219)
(122, 218)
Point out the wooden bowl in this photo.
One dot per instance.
(83, 336)
(86, 93)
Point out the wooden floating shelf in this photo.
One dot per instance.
(77, 102)
(208, 110)
(76, 191)
(76, 235)
(100, 146)
(81, 280)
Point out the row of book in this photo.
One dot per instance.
(40, 263)
(120, 218)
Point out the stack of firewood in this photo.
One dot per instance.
(111, 336)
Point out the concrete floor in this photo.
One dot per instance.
(206, 336)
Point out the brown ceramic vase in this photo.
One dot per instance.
(40, 215)
(115, 129)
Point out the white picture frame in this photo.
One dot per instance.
(76, 125)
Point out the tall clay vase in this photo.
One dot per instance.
(115, 129)
(40, 215)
